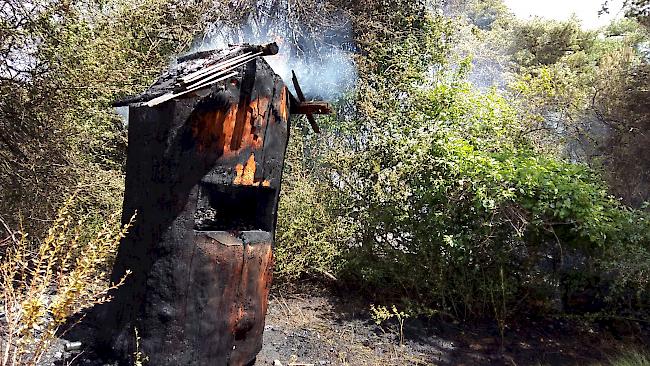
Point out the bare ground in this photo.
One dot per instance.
(324, 329)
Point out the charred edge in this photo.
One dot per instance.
(267, 49)
(248, 82)
(195, 55)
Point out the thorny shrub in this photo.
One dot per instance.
(43, 287)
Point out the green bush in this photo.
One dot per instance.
(460, 213)
(310, 235)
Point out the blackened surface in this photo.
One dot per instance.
(200, 280)
(276, 141)
(238, 208)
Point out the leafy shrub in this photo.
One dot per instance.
(445, 200)
(58, 130)
(459, 210)
(630, 358)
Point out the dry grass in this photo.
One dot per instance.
(44, 285)
(631, 358)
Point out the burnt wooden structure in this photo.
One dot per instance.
(203, 174)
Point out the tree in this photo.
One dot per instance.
(62, 64)
(638, 9)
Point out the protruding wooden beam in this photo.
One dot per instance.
(270, 49)
(301, 99)
(267, 50)
(311, 108)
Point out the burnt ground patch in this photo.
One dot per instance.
(315, 326)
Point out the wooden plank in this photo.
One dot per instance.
(195, 74)
(237, 61)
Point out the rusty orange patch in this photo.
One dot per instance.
(253, 135)
(214, 130)
(246, 174)
(284, 111)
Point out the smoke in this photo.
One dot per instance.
(488, 50)
(329, 77)
(123, 112)
(321, 56)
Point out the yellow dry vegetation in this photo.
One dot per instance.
(44, 286)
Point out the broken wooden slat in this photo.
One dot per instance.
(203, 85)
(205, 64)
(211, 77)
(219, 67)
(267, 49)
(170, 96)
(200, 84)
(188, 78)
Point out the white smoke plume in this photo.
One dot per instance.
(322, 58)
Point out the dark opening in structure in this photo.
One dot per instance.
(234, 208)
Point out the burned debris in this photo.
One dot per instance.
(204, 168)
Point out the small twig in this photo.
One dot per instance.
(326, 274)
(12, 234)
(75, 357)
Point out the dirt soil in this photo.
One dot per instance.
(317, 327)
(320, 329)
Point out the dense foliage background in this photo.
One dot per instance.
(483, 166)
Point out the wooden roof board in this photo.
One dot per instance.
(197, 71)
